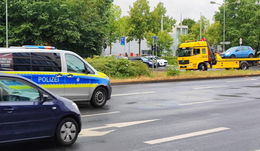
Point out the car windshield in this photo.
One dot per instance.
(145, 59)
(184, 52)
(232, 49)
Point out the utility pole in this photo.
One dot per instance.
(200, 26)
(6, 23)
(162, 23)
(224, 26)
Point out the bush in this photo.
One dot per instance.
(173, 70)
(172, 60)
(119, 68)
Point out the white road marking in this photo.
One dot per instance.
(208, 87)
(136, 93)
(244, 80)
(188, 135)
(202, 102)
(107, 113)
(90, 132)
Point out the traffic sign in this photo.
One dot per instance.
(225, 43)
(154, 37)
(122, 41)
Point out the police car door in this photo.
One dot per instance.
(76, 81)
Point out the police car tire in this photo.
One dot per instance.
(99, 97)
(74, 126)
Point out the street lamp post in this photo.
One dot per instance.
(6, 22)
(224, 21)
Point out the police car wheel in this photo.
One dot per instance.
(99, 97)
(67, 132)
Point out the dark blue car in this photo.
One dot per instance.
(28, 111)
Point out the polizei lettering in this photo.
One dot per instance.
(48, 79)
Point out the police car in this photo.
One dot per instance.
(63, 72)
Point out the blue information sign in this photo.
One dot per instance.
(122, 41)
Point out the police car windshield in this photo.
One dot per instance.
(184, 52)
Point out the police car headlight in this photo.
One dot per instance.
(107, 78)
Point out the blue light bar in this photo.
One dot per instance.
(38, 47)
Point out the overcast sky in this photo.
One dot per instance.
(176, 8)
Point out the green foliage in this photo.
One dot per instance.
(188, 22)
(213, 33)
(123, 25)
(113, 26)
(172, 60)
(77, 25)
(165, 41)
(156, 16)
(242, 21)
(194, 31)
(138, 21)
(173, 70)
(120, 68)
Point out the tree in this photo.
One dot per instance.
(138, 21)
(157, 16)
(188, 22)
(242, 21)
(194, 33)
(113, 32)
(164, 42)
(123, 25)
(213, 33)
(77, 25)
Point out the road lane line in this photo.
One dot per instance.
(245, 80)
(202, 102)
(107, 113)
(208, 87)
(95, 131)
(188, 135)
(136, 93)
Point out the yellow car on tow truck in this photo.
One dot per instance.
(198, 56)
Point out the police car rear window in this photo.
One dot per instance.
(30, 62)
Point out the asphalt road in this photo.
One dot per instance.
(207, 115)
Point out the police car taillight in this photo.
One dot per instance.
(38, 47)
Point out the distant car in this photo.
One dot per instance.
(161, 62)
(28, 112)
(149, 62)
(239, 52)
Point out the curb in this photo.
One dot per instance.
(181, 80)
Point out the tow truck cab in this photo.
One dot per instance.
(198, 56)
(195, 55)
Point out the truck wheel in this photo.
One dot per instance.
(99, 97)
(251, 56)
(203, 67)
(244, 66)
(233, 56)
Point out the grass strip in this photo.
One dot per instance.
(186, 75)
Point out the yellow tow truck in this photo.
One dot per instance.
(198, 56)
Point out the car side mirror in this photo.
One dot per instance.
(45, 98)
(237, 50)
(1, 94)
